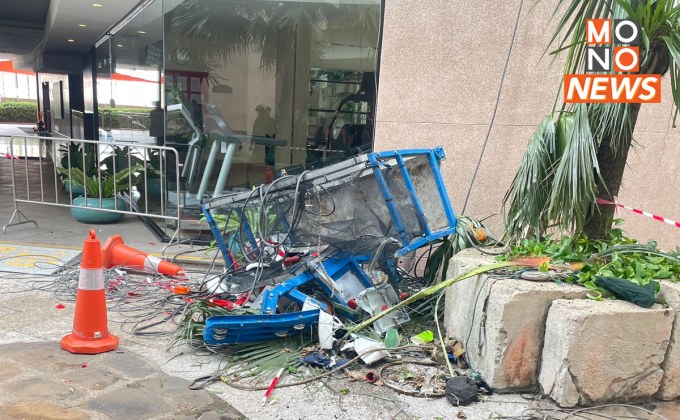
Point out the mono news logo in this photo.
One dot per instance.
(612, 48)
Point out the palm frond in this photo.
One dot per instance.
(528, 194)
(574, 185)
(258, 362)
(577, 180)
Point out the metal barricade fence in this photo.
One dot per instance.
(55, 171)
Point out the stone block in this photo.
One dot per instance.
(670, 384)
(599, 352)
(501, 321)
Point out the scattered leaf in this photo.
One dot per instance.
(354, 375)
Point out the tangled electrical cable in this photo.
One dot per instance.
(143, 302)
(259, 238)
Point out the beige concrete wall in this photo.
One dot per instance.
(441, 67)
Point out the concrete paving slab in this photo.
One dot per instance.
(35, 409)
(126, 403)
(72, 386)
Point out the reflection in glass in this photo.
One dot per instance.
(136, 72)
(242, 88)
(276, 84)
(103, 60)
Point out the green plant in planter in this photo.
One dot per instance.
(120, 158)
(230, 226)
(82, 156)
(101, 193)
(153, 172)
(77, 156)
(110, 185)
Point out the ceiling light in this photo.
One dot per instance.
(120, 45)
(96, 5)
(82, 25)
(70, 40)
(141, 32)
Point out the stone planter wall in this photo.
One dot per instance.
(522, 336)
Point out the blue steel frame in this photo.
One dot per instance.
(268, 324)
(376, 160)
(336, 266)
(226, 256)
(255, 327)
(434, 157)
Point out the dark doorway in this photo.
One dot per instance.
(47, 116)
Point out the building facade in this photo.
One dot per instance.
(298, 83)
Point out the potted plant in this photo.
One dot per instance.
(77, 156)
(153, 173)
(102, 198)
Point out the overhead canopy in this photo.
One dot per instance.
(53, 35)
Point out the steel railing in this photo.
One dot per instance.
(51, 174)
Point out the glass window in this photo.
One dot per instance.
(104, 97)
(136, 73)
(270, 85)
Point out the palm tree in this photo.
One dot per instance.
(579, 152)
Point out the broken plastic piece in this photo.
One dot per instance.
(328, 324)
(377, 299)
(223, 303)
(180, 290)
(216, 285)
(362, 345)
(291, 260)
(242, 299)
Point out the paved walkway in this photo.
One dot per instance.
(12, 129)
(41, 381)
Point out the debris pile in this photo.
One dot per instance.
(319, 274)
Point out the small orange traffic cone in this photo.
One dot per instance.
(90, 334)
(115, 253)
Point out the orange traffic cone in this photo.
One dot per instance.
(90, 333)
(115, 253)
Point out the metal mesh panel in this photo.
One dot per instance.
(340, 205)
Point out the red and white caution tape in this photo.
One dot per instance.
(642, 212)
(271, 386)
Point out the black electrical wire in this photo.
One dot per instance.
(495, 108)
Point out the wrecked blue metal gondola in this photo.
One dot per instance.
(326, 240)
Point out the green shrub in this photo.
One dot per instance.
(24, 112)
